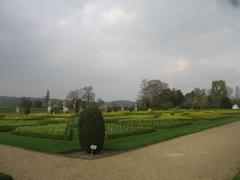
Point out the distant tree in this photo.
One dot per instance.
(236, 98)
(38, 103)
(153, 93)
(218, 91)
(164, 100)
(47, 97)
(88, 95)
(225, 103)
(26, 104)
(78, 104)
(177, 97)
(143, 97)
(237, 93)
(196, 99)
(81, 98)
(75, 98)
(100, 102)
(230, 92)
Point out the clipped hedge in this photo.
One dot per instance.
(159, 123)
(6, 128)
(5, 177)
(116, 131)
(91, 129)
(51, 131)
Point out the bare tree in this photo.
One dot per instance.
(75, 98)
(237, 93)
(151, 92)
(100, 102)
(82, 97)
(87, 94)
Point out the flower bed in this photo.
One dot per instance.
(52, 131)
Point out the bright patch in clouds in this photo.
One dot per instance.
(181, 64)
(95, 14)
(107, 16)
(113, 15)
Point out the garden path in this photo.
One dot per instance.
(210, 154)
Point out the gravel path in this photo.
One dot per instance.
(210, 154)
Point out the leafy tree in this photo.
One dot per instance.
(38, 103)
(218, 91)
(177, 98)
(226, 103)
(196, 99)
(26, 104)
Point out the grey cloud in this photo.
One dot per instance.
(112, 45)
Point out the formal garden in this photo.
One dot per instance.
(60, 133)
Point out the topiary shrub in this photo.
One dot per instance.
(91, 129)
(5, 177)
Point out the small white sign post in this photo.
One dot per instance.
(93, 147)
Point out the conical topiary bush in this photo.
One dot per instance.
(91, 129)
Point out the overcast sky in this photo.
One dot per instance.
(112, 45)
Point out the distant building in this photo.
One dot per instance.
(235, 107)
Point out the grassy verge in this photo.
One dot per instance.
(237, 177)
(124, 143)
(40, 144)
(5, 177)
(10, 110)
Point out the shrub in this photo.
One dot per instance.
(26, 104)
(91, 129)
(57, 109)
(5, 177)
(52, 131)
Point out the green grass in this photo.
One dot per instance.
(133, 142)
(123, 143)
(12, 110)
(237, 177)
(40, 144)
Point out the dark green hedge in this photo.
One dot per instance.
(5, 177)
(91, 129)
(67, 136)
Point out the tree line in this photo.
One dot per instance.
(156, 94)
(153, 94)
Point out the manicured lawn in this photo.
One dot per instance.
(124, 143)
(132, 142)
(40, 144)
(237, 177)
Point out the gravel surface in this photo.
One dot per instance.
(210, 154)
